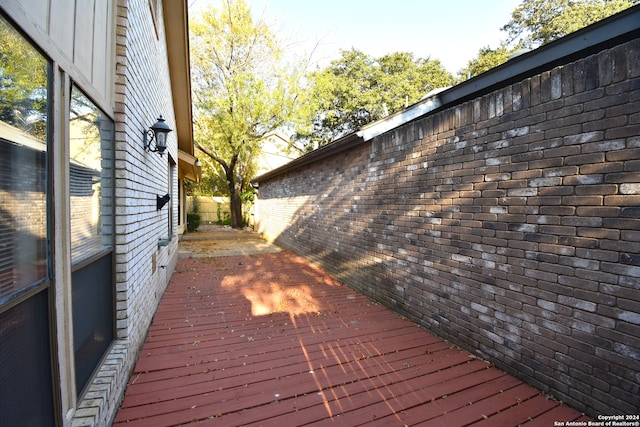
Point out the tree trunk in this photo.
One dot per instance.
(235, 191)
(235, 188)
(236, 210)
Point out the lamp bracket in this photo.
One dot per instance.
(148, 138)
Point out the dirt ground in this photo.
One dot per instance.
(216, 241)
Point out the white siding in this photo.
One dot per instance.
(78, 35)
(61, 11)
(83, 37)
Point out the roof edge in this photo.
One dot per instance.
(335, 147)
(176, 20)
(599, 36)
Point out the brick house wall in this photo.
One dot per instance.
(128, 60)
(142, 88)
(142, 267)
(509, 224)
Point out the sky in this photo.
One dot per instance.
(452, 31)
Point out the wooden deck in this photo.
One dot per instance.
(271, 340)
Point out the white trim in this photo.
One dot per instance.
(430, 102)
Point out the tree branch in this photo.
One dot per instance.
(218, 159)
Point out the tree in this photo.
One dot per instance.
(356, 89)
(537, 22)
(241, 93)
(487, 59)
(23, 83)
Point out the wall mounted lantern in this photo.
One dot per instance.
(155, 138)
(162, 200)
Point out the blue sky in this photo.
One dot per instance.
(449, 30)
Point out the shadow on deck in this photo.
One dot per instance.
(269, 339)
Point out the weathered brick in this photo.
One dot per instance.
(602, 168)
(622, 223)
(577, 282)
(555, 190)
(531, 172)
(539, 237)
(625, 155)
(557, 211)
(557, 249)
(532, 226)
(595, 254)
(541, 256)
(599, 233)
(598, 211)
(560, 171)
(623, 130)
(558, 230)
(619, 61)
(528, 210)
(630, 212)
(607, 146)
(619, 245)
(583, 179)
(545, 201)
(582, 97)
(564, 151)
(545, 182)
(631, 235)
(583, 159)
(622, 200)
(585, 190)
(583, 200)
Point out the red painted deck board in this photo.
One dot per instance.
(272, 340)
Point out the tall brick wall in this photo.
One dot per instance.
(508, 224)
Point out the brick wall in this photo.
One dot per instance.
(508, 224)
(142, 94)
(143, 268)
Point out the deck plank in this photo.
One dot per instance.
(270, 339)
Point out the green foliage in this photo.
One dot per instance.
(356, 89)
(23, 83)
(242, 91)
(537, 22)
(195, 204)
(226, 221)
(248, 195)
(487, 59)
(193, 221)
(213, 181)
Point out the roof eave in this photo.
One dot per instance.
(607, 33)
(335, 147)
(176, 21)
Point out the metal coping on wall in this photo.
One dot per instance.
(609, 32)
